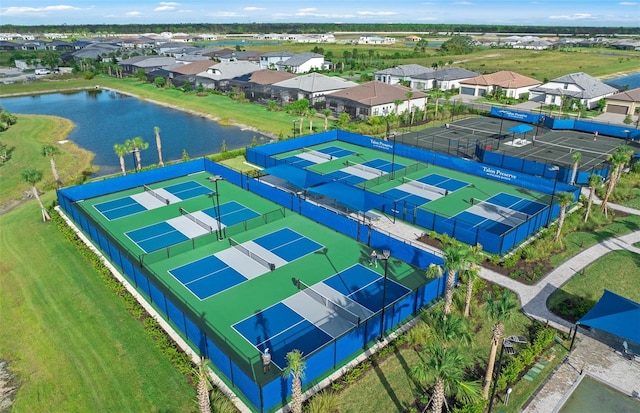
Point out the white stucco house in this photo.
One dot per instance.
(587, 89)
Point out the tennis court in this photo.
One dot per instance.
(306, 157)
(320, 312)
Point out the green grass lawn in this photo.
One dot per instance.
(71, 342)
(26, 153)
(617, 271)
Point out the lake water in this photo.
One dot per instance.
(104, 118)
(631, 81)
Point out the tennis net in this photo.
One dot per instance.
(504, 211)
(423, 186)
(317, 153)
(365, 168)
(472, 131)
(257, 258)
(156, 195)
(340, 310)
(200, 222)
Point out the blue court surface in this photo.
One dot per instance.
(231, 213)
(516, 203)
(384, 165)
(400, 195)
(336, 152)
(443, 182)
(366, 287)
(299, 162)
(207, 276)
(346, 177)
(468, 221)
(119, 208)
(186, 190)
(281, 329)
(156, 236)
(288, 244)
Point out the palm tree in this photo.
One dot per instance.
(409, 95)
(326, 113)
(449, 329)
(594, 181)
(443, 368)
(311, 113)
(397, 103)
(32, 176)
(203, 387)
(436, 94)
(50, 151)
(121, 149)
(156, 130)
(137, 144)
(498, 310)
(618, 159)
(295, 367)
(576, 160)
(455, 259)
(564, 199)
(470, 274)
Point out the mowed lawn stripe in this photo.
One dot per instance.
(68, 337)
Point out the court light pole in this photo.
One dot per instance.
(216, 194)
(393, 157)
(386, 254)
(507, 344)
(295, 124)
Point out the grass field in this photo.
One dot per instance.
(70, 341)
(42, 130)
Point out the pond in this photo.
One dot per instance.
(104, 118)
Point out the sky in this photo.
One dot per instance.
(597, 13)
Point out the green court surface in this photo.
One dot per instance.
(455, 202)
(241, 300)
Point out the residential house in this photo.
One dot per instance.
(513, 84)
(373, 39)
(443, 79)
(302, 63)
(237, 56)
(92, 51)
(375, 99)
(258, 85)
(394, 75)
(270, 60)
(219, 75)
(312, 86)
(187, 73)
(412, 38)
(624, 103)
(216, 53)
(587, 89)
(59, 45)
(147, 63)
(7, 45)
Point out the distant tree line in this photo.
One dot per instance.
(311, 28)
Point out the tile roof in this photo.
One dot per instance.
(449, 73)
(591, 87)
(229, 70)
(268, 77)
(315, 82)
(376, 93)
(505, 79)
(404, 70)
(632, 95)
(194, 68)
(301, 58)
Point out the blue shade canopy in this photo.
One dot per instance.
(616, 315)
(345, 194)
(296, 176)
(520, 129)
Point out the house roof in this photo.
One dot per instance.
(377, 93)
(229, 70)
(589, 86)
(194, 68)
(149, 61)
(278, 54)
(301, 58)
(404, 70)
(632, 95)
(449, 73)
(268, 77)
(315, 82)
(505, 79)
(244, 55)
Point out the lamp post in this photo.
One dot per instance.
(295, 124)
(393, 157)
(216, 194)
(507, 344)
(386, 254)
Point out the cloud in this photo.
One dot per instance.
(164, 8)
(225, 14)
(628, 3)
(133, 14)
(18, 11)
(307, 10)
(576, 16)
(463, 3)
(376, 13)
(251, 8)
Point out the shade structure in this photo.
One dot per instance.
(616, 315)
(520, 128)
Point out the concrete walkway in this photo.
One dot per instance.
(590, 354)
